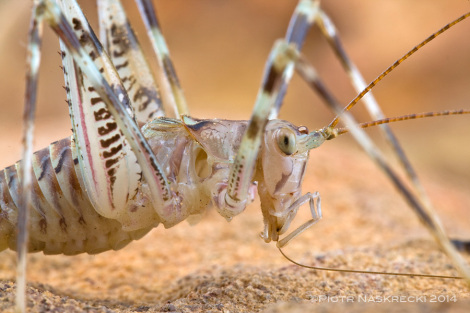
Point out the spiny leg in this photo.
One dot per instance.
(277, 74)
(106, 159)
(34, 59)
(123, 47)
(159, 188)
(278, 71)
(167, 79)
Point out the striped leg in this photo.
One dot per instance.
(34, 58)
(106, 159)
(163, 199)
(125, 52)
(278, 71)
(167, 80)
(329, 30)
(424, 211)
(78, 38)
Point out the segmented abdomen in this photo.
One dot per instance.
(62, 219)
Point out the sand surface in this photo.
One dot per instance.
(223, 267)
(219, 49)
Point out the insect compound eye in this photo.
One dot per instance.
(286, 141)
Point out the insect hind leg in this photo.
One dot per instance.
(161, 195)
(123, 48)
(168, 80)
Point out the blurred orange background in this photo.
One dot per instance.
(219, 49)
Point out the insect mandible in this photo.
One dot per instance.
(190, 123)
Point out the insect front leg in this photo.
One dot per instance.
(273, 153)
(277, 195)
(275, 173)
(279, 68)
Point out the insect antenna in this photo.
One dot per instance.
(416, 198)
(339, 131)
(395, 64)
(366, 272)
(308, 73)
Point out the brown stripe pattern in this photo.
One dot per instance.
(62, 219)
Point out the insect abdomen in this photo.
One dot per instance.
(61, 219)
